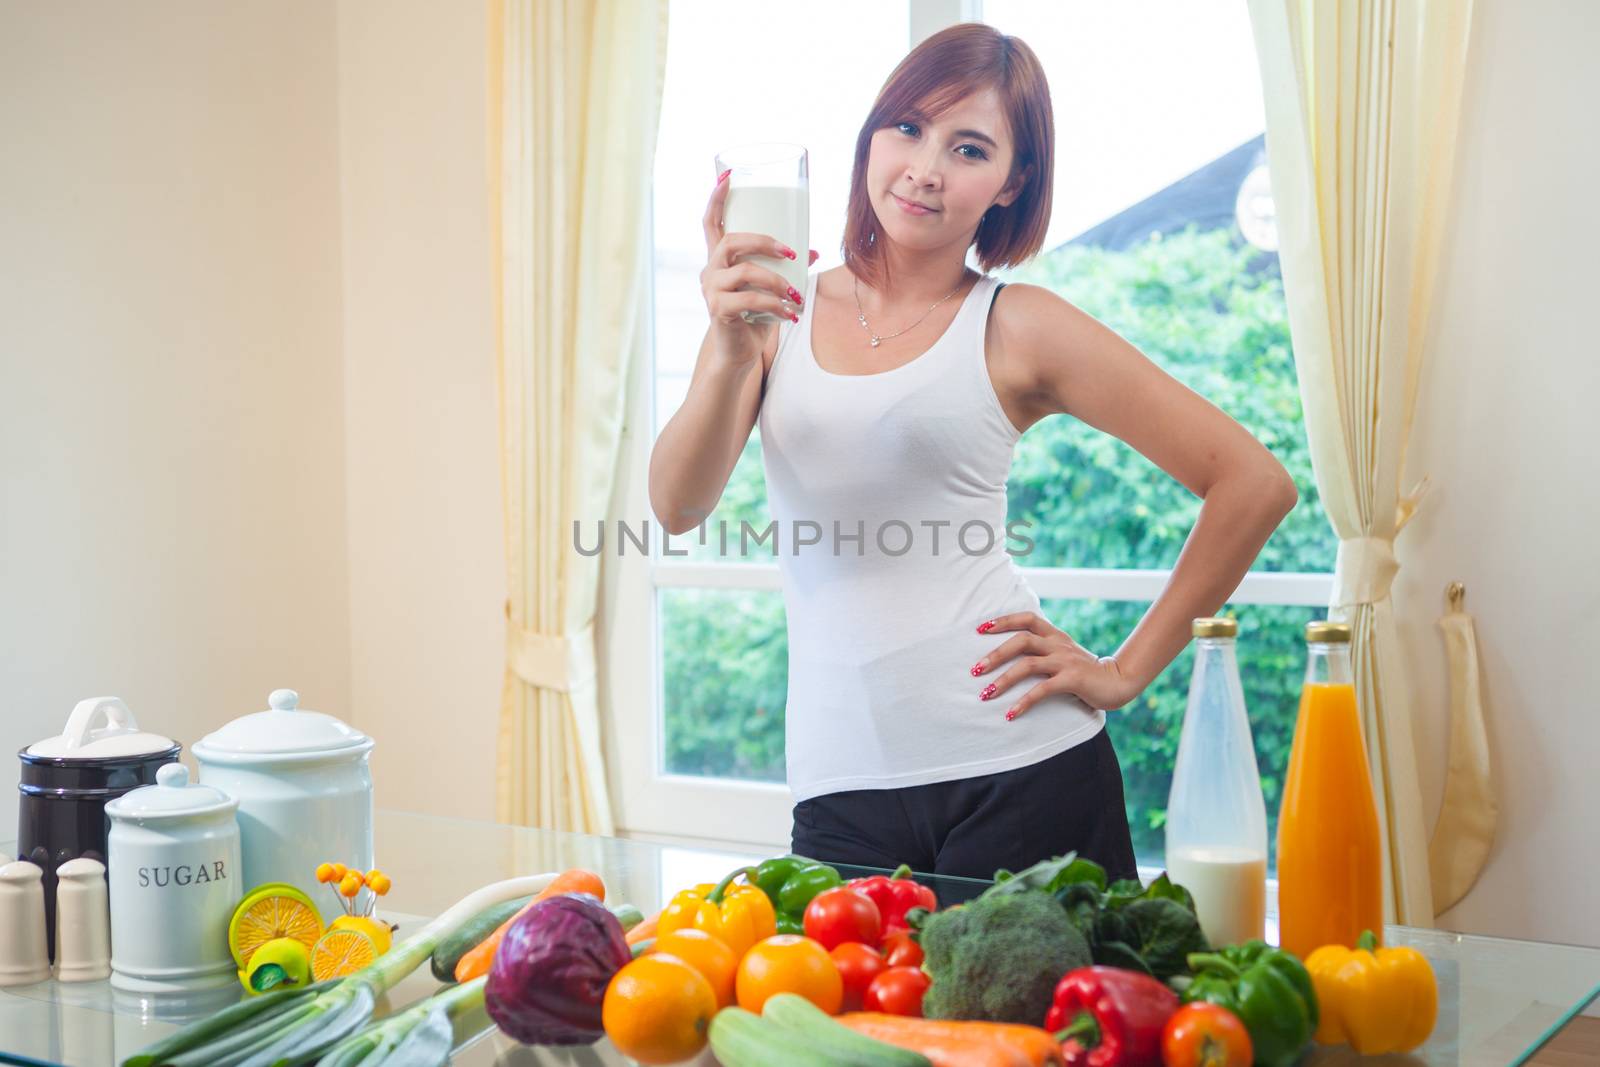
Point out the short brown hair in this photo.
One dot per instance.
(952, 64)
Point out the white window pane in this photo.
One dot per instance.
(756, 70)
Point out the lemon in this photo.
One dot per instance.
(341, 952)
(267, 913)
(283, 961)
(376, 929)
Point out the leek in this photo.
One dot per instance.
(283, 1028)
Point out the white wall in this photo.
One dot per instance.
(172, 524)
(427, 556)
(1503, 428)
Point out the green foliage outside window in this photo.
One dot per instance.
(1211, 312)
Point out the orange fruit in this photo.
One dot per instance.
(709, 955)
(789, 963)
(267, 913)
(658, 1009)
(341, 952)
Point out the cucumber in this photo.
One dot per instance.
(815, 1028)
(741, 1038)
(627, 914)
(464, 940)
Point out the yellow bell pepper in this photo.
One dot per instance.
(737, 914)
(1374, 999)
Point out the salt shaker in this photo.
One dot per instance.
(23, 957)
(83, 922)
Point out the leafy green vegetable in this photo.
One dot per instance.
(1143, 928)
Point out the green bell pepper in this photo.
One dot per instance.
(790, 882)
(1268, 989)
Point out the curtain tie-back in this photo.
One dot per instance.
(562, 662)
(1363, 571)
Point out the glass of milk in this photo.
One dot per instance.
(769, 192)
(1216, 817)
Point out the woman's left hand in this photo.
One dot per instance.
(1067, 666)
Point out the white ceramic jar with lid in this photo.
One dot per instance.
(304, 788)
(174, 876)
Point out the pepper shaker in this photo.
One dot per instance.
(23, 957)
(83, 922)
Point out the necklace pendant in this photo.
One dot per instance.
(875, 340)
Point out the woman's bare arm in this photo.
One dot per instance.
(1078, 366)
(696, 451)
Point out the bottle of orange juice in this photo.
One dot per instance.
(1330, 874)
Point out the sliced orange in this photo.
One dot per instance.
(341, 952)
(267, 913)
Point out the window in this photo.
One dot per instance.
(1161, 228)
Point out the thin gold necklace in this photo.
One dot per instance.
(861, 315)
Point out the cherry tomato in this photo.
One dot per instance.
(842, 914)
(1205, 1035)
(858, 965)
(897, 991)
(900, 951)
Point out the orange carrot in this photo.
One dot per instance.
(950, 1043)
(644, 929)
(477, 961)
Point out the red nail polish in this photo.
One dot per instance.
(977, 669)
(793, 317)
(988, 691)
(986, 627)
(723, 175)
(1012, 714)
(795, 295)
(790, 253)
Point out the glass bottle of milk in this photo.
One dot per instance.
(1216, 818)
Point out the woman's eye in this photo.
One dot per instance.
(980, 154)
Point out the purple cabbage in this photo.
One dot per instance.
(549, 976)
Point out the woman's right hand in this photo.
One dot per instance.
(732, 287)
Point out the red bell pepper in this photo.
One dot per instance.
(895, 894)
(1109, 1017)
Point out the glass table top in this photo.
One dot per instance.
(1499, 1000)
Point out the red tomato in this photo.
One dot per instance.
(842, 914)
(900, 951)
(897, 991)
(1205, 1035)
(858, 965)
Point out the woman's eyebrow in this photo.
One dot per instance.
(976, 135)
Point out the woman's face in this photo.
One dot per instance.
(956, 166)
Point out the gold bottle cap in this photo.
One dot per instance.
(1218, 627)
(1323, 632)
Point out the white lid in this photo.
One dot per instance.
(282, 730)
(101, 728)
(170, 797)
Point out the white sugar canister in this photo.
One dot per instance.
(304, 788)
(174, 882)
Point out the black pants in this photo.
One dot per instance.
(972, 827)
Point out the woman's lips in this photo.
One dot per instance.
(912, 209)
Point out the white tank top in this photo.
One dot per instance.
(883, 627)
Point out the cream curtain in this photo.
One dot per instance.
(574, 98)
(1363, 100)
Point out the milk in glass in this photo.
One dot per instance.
(769, 193)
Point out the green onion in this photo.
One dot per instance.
(420, 1036)
(285, 1027)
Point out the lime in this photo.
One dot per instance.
(268, 912)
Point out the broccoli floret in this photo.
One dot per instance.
(999, 958)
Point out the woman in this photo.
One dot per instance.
(934, 716)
